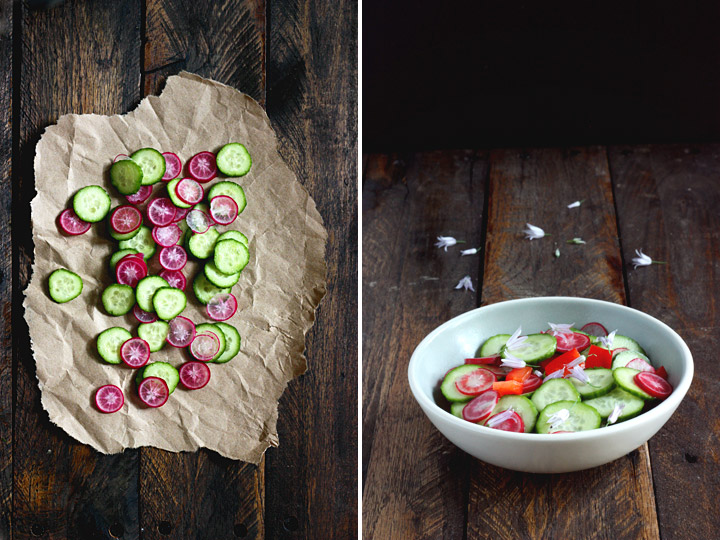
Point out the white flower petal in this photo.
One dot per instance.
(574, 205)
(641, 259)
(579, 360)
(472, 251)
(445, 242)
(558, 418)
(512, 361)
(561, 328)
(532, 232)
(516, 340)
(579, 374)
(557, 374)
(465, 283)
(615, 413)
(500, 418)
(607, 341)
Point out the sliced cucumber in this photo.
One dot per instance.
(230, 256)
(536, 348)
(448, 388)
(457, 408)
(204, 290)
(164, 371)
(109, 342)
(115, 258)
(91, 203)
(202, 245)
(172, 194)
(625, 379)
(169, 302)
(235, 235)
(232, 342)
(493, 345)
(604, 405)
(623, 358)
(552, 391)
(601, 382)
(627, 343)
(581, 417)
(118, 299)
(232, 190)
(233, 159)
(64, 285)
(208, 328)
(521, 405)
(145, 289)
(122, 236)
(217, 278)
(142, 242)
(152, 164)
(154, 333)
(126, 176)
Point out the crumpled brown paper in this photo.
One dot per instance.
(278, 292)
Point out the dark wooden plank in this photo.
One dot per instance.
(667, 200)
(219, 498)
(612, 501)
(81, 57)
(311, 478)
(416, 480)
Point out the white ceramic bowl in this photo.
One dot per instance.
(459, 338)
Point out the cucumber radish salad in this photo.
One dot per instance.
(157, 231)
(560, 380)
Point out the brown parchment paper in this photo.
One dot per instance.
(278, 292)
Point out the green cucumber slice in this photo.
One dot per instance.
(142, 242)
(109, 342)
(232, 342)
(118, 299)
(521, 405)
(91, 203)
(235, 235)
(122, 236)
(163, 370)
(154, 333)
(202, 245)
(208, 328)
(152, 164)
(230, 256)
(172, 194)
(126, 176)
(601, 382)
(554, 390)
(604, 405)
(535, 349)
(623, 358)
(169, 302)
(232, 190)
(448, 388)
(624, 377)
(582, 417)
(145, 289)
(64, 285)
(115, 258)
(627, 343)
(204, 290)
(493, 345)
(233, 159)
(217, 278)
(457, 408)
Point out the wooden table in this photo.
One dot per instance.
(296, 57)
(663, 199)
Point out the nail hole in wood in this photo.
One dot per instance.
(690, 458)
(37, 530)
(291, 524)
(164, 528)
(240, 530)
(116, 530)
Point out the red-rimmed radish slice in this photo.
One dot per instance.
(135, 352)
(204, 347)
(221, 307)
(189, 191)
(153, 391)
(161, 211)
(498, 371)
(473, 383)
(194, 375)
(173, 257)
(485, 361)
(198, 221)
(223, 209)
(166, 236)
(71, 224)
(143, 316)
(181, 332)
(617, 351)
(125, 219)
(556, 432)
(120, 157)
(640, 365)
(109, 398)
(129, 271)
(531, 384)
(506, 421)
(573, 340)
(595, 329)
(173, 166)
(175, 278)
(653, 384)
(180, 213)
(202, 167)
(138, 257)
(481, 407)
(142, 195)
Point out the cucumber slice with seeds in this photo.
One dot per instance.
(623, 358)
(64, 285)
(146, 288)
(604, 405)
(122, 236)
(109, 342)
(154, 333)
(169, 302)
(164, 371)
(554, 390)
(142, 242)
(457, 408)
(581, 417)
(177, 201)
(493, 345)
(233, 159)
(232, 190)
(625, 379)
(232, 342)
(208, 328)
(91, 204)
(118, 299)
(521, 405)
(152, 164)
(217, 278)
(601, 382)
(230, 256)
(235, 235)
(126, 176)
(204, 290)
(115, 258)
(448, 388)
(627, 343)
(202, 245)
(536, 348)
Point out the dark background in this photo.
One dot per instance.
(515, 73)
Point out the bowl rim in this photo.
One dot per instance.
(665, 408)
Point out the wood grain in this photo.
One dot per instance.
(312, 102)
(63, 489)
(416, 481)
(668, 199)
(612, 501)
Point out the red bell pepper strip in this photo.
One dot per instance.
(508, 387)
(519, 374)
(561, 361)
(598, 357)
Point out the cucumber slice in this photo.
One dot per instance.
(152, 164)
(604, 405)
(537, 347)
(232, 190)
(164, 371)
(109, 342)
(118, 299)
(235, 235)
(624, 377)
(628, 343)
(122, 236)
(624, 358)
(202, 245)
(521, 405)
(64, 285)
(142, 242)
(448, 388)
(217, 278)
(169, 302)
(601, 382)
(232, 342)
(91, 204)
(457, 408)
(145, 290)
(493, 345)
(230, 256)
(204, 290)
(119, 255)
(233, 159)
(126, 176)
(208, 328)
(154, 333)
(177, 201)
(582, 417)
(552, 391)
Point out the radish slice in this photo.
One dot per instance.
(189, 191)
(481, 407)
(181, 332)
(173, 257)
(135, 352)
(507, 421)
(121, 157)
(161, 211)
(143, 316)
(198, 221)
(175, 278)
(640, 365)
(471, 384)
(617, 351)
(194, 375)
(223, 209)
(531, 384)
(653, 384)
(135, 257)
(180, 214)
(109, 398)
(125, 219)
(129, 271)
(498, 371)
(167, 236)
(485, 361)
(202, 167)
(173, 166)
(595, 329)
(71, 224)
(142, 195)
(153, 391)
(569, 341)
(204, 347)
(221, 307)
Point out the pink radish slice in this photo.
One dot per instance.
(204, 347)
(129, 271)
(109, 398)
(189, 191)
(481, 407)
(71, 224)
(617, 351)
(181, 332)
(173, 166)
(173, 257)
(194, 375)
(135, 352)
(221, 307)
(153, 391)
(142, 195)
(166, 236)
(120, 157)
(180, 214)
(161, 211)
(223, 209)
(198, 221)
(640, 365)
(137, 257)
(143, 316)
(125, 219)
(175, 278)
(595, 329)
(202, 167)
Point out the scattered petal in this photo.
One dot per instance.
(558, 418)
(579, 374)
(445, 242)
(512, 361)
(576, 240)
(538, 372)
(607, 341)
(465, 283)
(575, 204)
(643, 260)
(532, 232)
(579, 360)
(515, 341)
(557, 252)
(472, 251)
(615, 413)
(557, 374)
(500, 418)
(557, 329)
